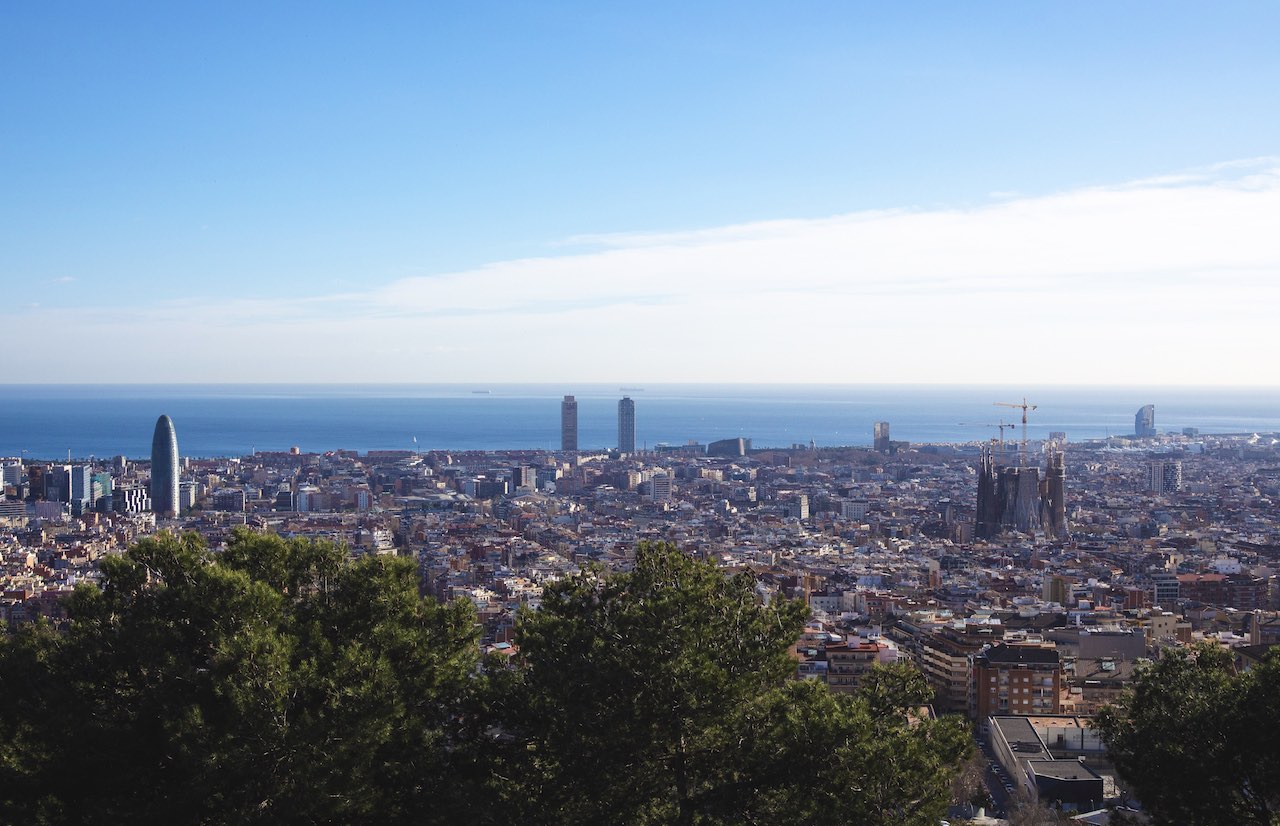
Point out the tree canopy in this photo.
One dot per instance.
(1199, 743)
(276, 682)
(279, 681)
(663, 695)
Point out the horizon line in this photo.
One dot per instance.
(635, 386)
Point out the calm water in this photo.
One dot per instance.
(45, 421)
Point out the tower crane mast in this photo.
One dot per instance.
(1002, 427)
(1024, 407)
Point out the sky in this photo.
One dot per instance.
(1041, 193)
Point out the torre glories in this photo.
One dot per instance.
(164, 469)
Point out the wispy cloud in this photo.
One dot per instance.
(1165, 279)
(1133, 235)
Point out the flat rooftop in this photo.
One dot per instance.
(1021, 737)
(1063, 770)
(1056, 720)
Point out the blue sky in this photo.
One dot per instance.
(334, 180)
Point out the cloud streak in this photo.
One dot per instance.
(1134, 233)
(1170, 279)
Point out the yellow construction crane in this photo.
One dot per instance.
(1022, 454)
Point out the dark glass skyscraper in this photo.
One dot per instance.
(880, 437)
(164, 469)
(626, 425)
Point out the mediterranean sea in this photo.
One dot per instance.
(48, 421)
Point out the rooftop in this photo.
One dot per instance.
(1063, 770)
(1020, 655)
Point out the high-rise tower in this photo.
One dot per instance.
(880, 441)
(1056, 494)
(626, 425)
(1164, 476)
(1144, 421)
(569, 423)
(660, 487)
(81, 487)
(164, 469)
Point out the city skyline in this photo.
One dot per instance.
(88, 420)
(364, 254)
(380, 191)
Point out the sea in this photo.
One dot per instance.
(51, 421)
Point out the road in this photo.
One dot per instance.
(997, 780)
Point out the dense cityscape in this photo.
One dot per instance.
(663, 414)
(1026, 580)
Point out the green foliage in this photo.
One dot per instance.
(275, 683)
(279, 682)
(663, 696)
(1200, 744)
(819, 757)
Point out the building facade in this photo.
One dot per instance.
(1017, 679)
(880, 437)
(660, 487)
(1016, 498)
(569, 423)
(849, 662)
(1144, 421)
(1164, 476)
(946, 658)
(626, 425)
(524, 477)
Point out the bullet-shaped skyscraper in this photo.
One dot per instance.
(164, 469)
(626, 425)
(569, 423)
